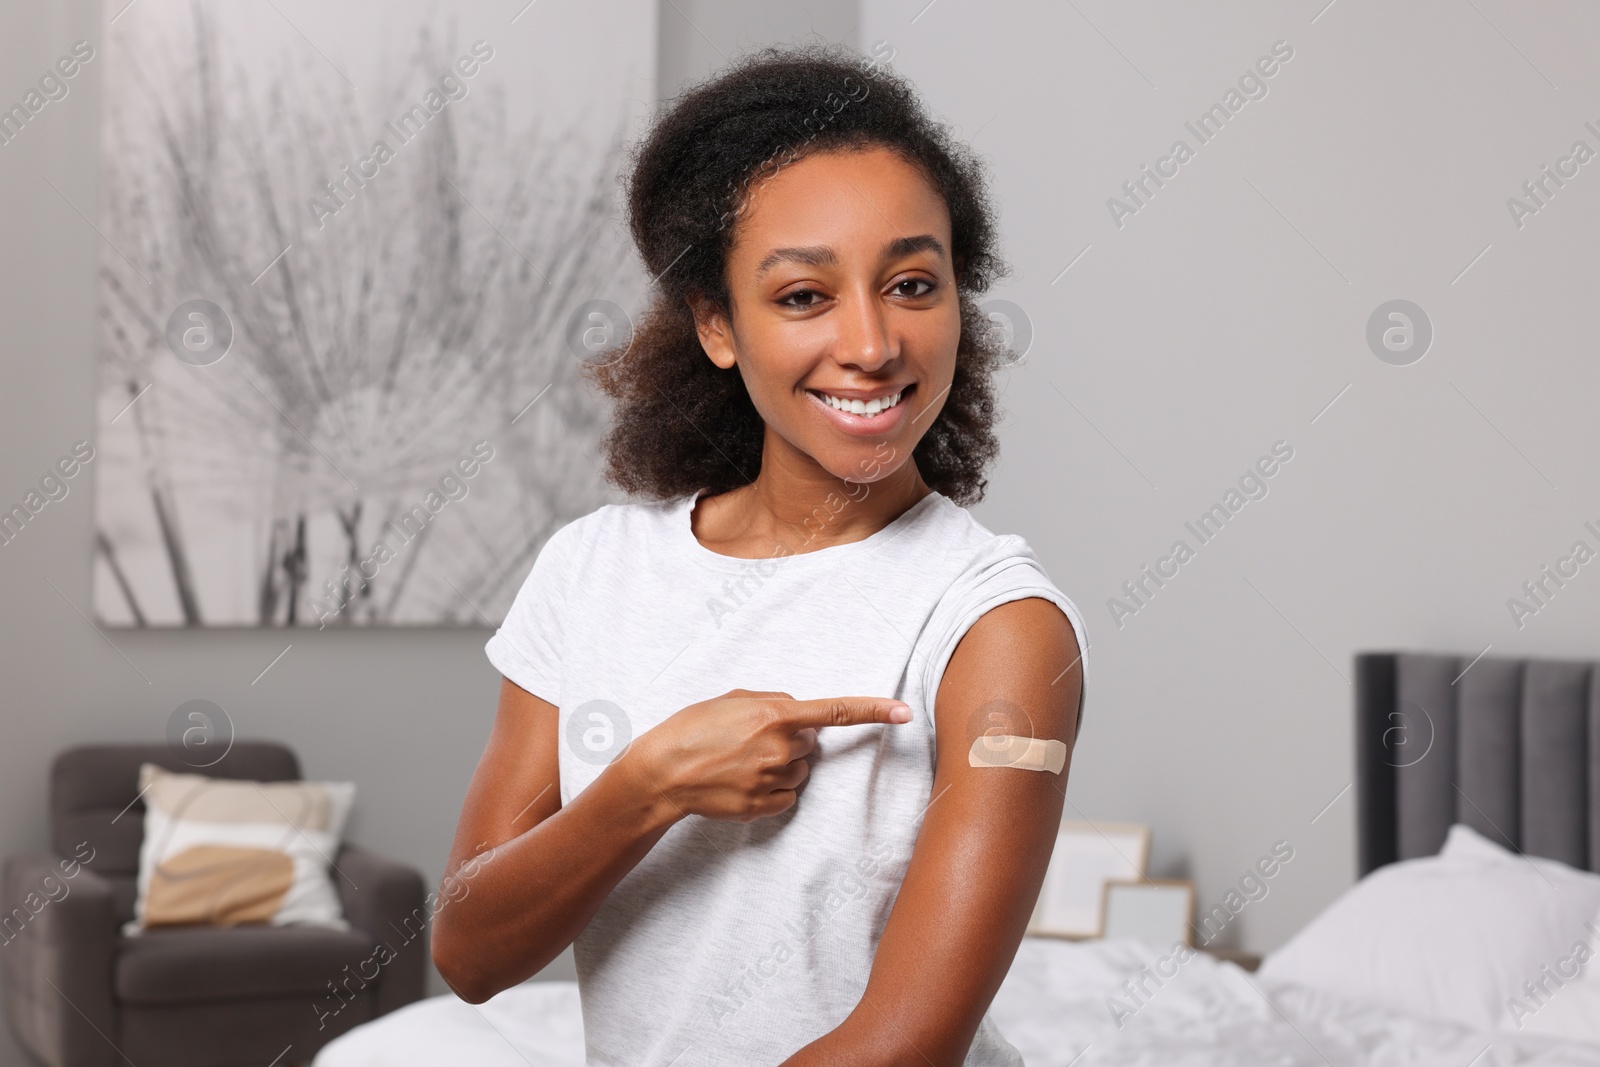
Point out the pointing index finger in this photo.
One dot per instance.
(847, 711)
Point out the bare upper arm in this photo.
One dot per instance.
(1017, 671)
(985, 840)
(517, 783)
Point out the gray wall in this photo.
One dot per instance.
(403, 713)
(698, 36)
(1225, 315)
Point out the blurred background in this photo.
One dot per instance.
(1374, 264)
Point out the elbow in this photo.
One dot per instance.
(464, 984)
(478, 961)
(454, 964)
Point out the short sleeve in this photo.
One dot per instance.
(527, 646)
(1007, 570)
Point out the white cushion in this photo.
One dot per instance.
(222, 851)
(1564, 1000)
(1452, 936)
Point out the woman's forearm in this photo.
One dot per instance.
(505, 917)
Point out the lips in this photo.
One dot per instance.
(864, 424)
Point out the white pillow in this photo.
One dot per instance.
(1563, 1007)
(1563, 999)
(222, 852)
(1452, 936)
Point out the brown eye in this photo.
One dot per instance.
(916, 281)
(785, 301)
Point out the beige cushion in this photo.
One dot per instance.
(223, 852)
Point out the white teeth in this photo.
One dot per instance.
(858, 407)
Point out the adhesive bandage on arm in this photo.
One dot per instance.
(1025, 753)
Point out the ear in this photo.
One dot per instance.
(716, 335)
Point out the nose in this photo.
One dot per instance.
(865, 339)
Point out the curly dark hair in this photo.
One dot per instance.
(681, 422)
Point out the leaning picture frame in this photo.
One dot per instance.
(1086, 855)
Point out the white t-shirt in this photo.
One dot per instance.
(735, 944)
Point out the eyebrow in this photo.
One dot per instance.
(823, 256)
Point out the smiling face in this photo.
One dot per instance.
(843, 296)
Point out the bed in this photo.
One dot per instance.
(1479, 835)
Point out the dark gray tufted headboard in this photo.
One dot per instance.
(1511, 747)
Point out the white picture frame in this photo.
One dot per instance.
(1085, 857)
(1157, 910)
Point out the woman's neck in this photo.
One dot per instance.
(803, 512)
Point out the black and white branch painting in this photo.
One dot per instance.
(344, 244)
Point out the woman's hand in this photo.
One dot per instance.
(741, 756)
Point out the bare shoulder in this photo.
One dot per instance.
(1029, 635)
(1022, 655)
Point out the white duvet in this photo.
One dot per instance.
(1062, 1003)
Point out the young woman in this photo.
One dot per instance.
(780, 750)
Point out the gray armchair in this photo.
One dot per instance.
(79, 994)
